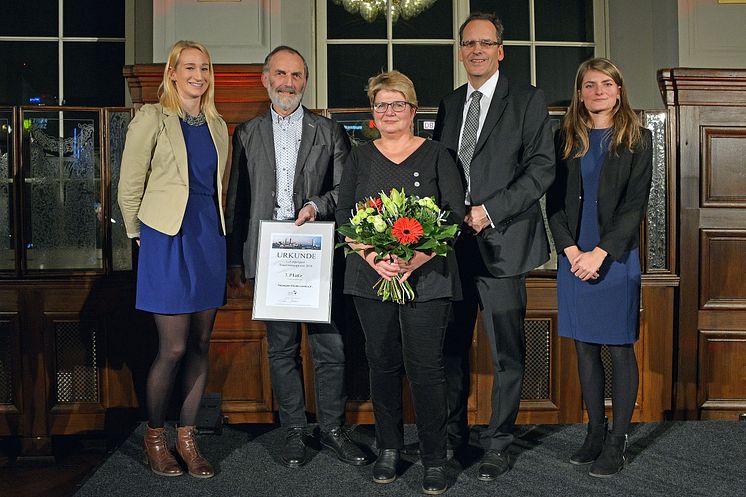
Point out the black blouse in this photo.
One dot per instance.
(428, 171)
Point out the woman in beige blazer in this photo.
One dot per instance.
(170, 197)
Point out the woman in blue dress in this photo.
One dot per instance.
(595, 207)
(170, 197)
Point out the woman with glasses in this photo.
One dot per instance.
(595, 207)
(405, 337)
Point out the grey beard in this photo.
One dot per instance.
(285, 103)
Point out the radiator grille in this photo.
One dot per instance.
(538, 352)
(6, 367)
(77, 374)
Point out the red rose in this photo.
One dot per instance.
(376, 203)
(407, 230)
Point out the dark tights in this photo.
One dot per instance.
(624, 381)
(180, 337)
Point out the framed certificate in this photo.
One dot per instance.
(293, 279)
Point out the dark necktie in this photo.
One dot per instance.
(469, 134)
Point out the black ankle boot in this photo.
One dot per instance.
(384, 469)
(434, 480)
(611, 461)
(592, 445)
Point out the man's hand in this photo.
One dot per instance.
(235, 277)
(306, 215)
(476, 218)
(586, 265)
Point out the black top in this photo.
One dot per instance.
(623, 188)
(428, 171)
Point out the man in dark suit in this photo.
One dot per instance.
(287, 164)
(500, 132)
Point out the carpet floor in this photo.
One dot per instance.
(693, 458)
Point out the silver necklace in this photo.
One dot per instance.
(197, 120)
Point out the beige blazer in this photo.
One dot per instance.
(154, 178)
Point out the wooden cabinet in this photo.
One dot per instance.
(708, 147)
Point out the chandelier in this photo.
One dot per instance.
(370, 9)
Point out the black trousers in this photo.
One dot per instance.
(327, 350)
(503, 305)
(410, 338)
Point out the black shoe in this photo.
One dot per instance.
(338, 439)
(592, 445)
(494, 463)
(611, 461)
(434, 480)
(294, 452)
(384, 469)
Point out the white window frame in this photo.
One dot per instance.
(60, 39)
(460, 12)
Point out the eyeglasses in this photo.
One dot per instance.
(482, 43)
(382, 107)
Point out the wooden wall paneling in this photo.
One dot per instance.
(239, 365)
(655, 358)
(722, 269)
(75, 346)
(709, 108)
(239, 93)
(35, 439)
(723, 183)
(131, 344)
(11, 392)
(722, 371)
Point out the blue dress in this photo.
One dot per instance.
(605, 310)
(186, 272)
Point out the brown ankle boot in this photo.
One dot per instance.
(187, 448)
(157, 455)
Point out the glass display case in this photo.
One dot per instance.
(59, 168)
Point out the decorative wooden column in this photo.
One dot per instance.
(707, 108)
(239, 94)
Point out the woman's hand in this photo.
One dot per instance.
(586, 264)
(417, 260)
(386, 268)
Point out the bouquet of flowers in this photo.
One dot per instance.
(397, 225)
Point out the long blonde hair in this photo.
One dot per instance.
(625, 123)
(167, 93)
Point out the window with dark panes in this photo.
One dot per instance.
(362, 40)
(545, 41)
(62, 52)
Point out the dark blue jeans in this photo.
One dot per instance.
(407, 338)
(327, 350)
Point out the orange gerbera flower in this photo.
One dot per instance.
(407, 230)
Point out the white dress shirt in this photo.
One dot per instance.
(488, 91)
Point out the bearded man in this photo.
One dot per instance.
(287, 164)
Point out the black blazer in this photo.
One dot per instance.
(512, 167)
(623, 191)
(251, 196)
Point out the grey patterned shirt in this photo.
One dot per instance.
(287, 133)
